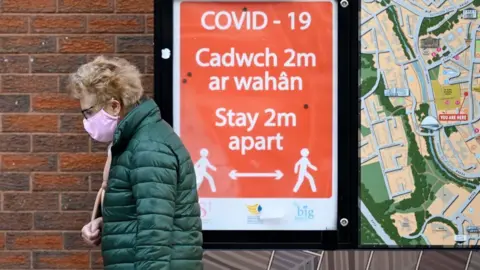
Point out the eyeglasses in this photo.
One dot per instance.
(86, 112)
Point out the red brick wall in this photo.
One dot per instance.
(50, 169)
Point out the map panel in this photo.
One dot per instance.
(420, 130)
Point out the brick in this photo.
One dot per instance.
(88, 44)
(96, 260)
(135, 44)
(71, 124)
(61, 220)
(74, 241)
(14, 260)
(2, 240)
(116, 24)
(55, 103)
(137, 60)
(26, 44)
(29, 163)
(96, 180)
(14, 182)
(82, 162)
(148, 82)
(29, 6)
(14, 103)
(60, 143)
(30, 123)
(16, 221)
(30, 201)
(57, 63)
(14, 143)
(61, 260)
(78, 201)
(60, 182)
(14, 64)
(58, 24)
(34, 241)
(150, 23)
(29, 83)
(150, 64)
(13, 24)
(134, 6)
(85, 6)
(98, 146)
(64, 81)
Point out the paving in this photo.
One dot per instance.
(344, 260)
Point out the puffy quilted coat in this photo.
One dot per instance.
(150, 212)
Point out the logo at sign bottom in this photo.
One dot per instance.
(254, 212)
(304, 212)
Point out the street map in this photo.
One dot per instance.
(420, 130)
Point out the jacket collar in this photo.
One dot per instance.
(146, 112)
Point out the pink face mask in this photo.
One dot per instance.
(101, 126)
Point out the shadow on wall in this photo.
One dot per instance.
(343, 260)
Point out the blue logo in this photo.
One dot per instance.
(304, 212)
(254, 212)
(254, 209)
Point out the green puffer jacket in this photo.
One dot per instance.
(150, 212)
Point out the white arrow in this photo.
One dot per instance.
(234, 174)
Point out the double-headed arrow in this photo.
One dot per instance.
(234, 175)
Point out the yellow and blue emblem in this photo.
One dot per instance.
(254, 209)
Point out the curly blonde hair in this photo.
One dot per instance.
(108, 78)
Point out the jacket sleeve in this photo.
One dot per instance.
(153, 179)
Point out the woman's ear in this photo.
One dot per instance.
(116, 107)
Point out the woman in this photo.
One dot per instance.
(150, 213)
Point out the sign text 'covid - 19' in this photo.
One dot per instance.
(251, 20)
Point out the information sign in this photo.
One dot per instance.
(255, 104)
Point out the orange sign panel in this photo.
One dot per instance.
(256, 97)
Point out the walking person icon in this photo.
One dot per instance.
(201, 173)
(301, 168)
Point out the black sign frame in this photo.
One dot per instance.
(346, 236)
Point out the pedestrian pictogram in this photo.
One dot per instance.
(301, 168)
(201, 170)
